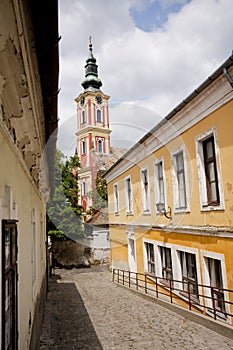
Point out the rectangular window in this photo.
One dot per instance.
(166, 263)
(159, 187)
(116, 199)
(215, 277)
(211, 171)
(179, 159)
(128, 189)
(83, 117)
(98, 116)
(180, 180)
(145, 191)
(100, 146)
(83, 145)
(84, 188)
(9, 322)
(150, 258)
(209, 174)
(189, 272)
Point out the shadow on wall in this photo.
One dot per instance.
(66, 321)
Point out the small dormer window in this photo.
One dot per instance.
(98, 116)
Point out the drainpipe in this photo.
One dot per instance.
(229, 78)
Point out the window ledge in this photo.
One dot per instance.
(212, 207)
(146, 212)
(181, 210)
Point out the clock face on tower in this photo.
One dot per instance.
(98, 99)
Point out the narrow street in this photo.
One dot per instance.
(86, 310)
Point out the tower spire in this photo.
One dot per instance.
(91, 81)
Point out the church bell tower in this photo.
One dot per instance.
(93, 136)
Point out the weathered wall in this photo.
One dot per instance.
(71, 254)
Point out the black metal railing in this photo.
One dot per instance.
(211, 301)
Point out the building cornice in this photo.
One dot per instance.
(92, 129)
(213, 231)
(92, 94)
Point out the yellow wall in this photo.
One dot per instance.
(223, 121)
(213, 242)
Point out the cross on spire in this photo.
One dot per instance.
(90, 43)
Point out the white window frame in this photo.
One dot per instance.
(201, 171)
(176, 263)
(145, 196)
(116, 198)
(129, 201)
(175, 185)
(205, 276)
(156, 184)
(178, 268)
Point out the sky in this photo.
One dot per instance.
(151, 54)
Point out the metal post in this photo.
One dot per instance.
(170, 285)
(129, 279)
(189, 294)
(136, 280)
(123, 277)
(145, 285)
(156, 286)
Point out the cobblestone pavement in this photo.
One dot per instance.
(86, 310)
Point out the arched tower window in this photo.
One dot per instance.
(83, 145)
(84, 188)
(100, 146)
(98, 116)
(83, 117)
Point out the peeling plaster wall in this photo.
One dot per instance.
(22, 142)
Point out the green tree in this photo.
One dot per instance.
(63, 210)
(99, 195)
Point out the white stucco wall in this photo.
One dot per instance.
(24, 198)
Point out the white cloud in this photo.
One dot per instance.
(159, 68)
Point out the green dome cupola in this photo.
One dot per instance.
(91, 81)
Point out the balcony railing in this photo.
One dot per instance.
(212, 301)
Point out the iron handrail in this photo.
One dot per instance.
(222, 307)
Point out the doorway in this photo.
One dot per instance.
(9, 285)
(132, 255)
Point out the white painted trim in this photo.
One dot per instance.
(128, 212)
(132, 264)
(116, 200)
(174, 153)
(144, 204)
(205, 275)
(156, 184)
(201, 171)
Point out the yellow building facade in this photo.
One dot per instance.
(171, 199)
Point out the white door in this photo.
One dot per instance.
(132, 255)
